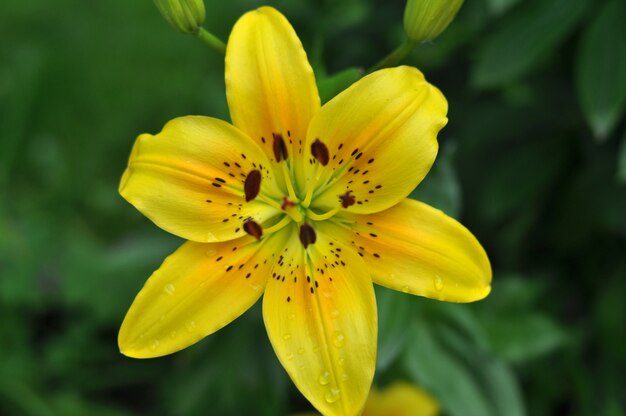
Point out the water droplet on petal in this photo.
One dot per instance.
(438, 283)
(342, 361)
(300, 351)
(302, 367)
(154, 344)
(169, 289)
(324, 378)
(338, 339)
(332, 395)
(291, 316)
(210, 252)
(190, 325)
(287, 337)
(405, 289)
(344, 377)
(289, 357)
(173, 334)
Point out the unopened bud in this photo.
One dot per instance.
(424, 20)
(183, 15)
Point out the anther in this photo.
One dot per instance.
(307, 235)
(279, 147)
(347, 199)
(253, 229)
(252, 185)
(320, 152)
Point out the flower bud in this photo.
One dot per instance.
(424, 20)
(183, 15)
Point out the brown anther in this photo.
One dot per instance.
(307, 235)
(253, 229)
(252, 185)
(279, 147)
(287, 203)
(320, 152)
(347, 199)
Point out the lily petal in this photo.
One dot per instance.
(321, 320)
(381, 135)
(199, 289)
(418, 249)
(270, 85)
(189, 179)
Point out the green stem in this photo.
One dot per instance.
(211, 40)
(395, 57)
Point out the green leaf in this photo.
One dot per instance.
(394, 316)
(601, 69)
(524, 37)
(517, 330)
(447, 358)
(334, 84)
(621, 161)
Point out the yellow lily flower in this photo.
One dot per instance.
(302, 204)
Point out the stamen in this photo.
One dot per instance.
(279, 147)
(252, 185)
(307, 235)
(253, 228)
(287, 176)
(321, 217)
(278, 226)
(320, 152)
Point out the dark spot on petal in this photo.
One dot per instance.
(347, 199)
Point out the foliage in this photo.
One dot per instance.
(531, 84)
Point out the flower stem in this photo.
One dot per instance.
(395, 57)
(210, 40)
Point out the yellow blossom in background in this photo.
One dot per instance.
(400, 399)
(301, 204)
(424, 20)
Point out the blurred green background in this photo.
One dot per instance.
(533, 161)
